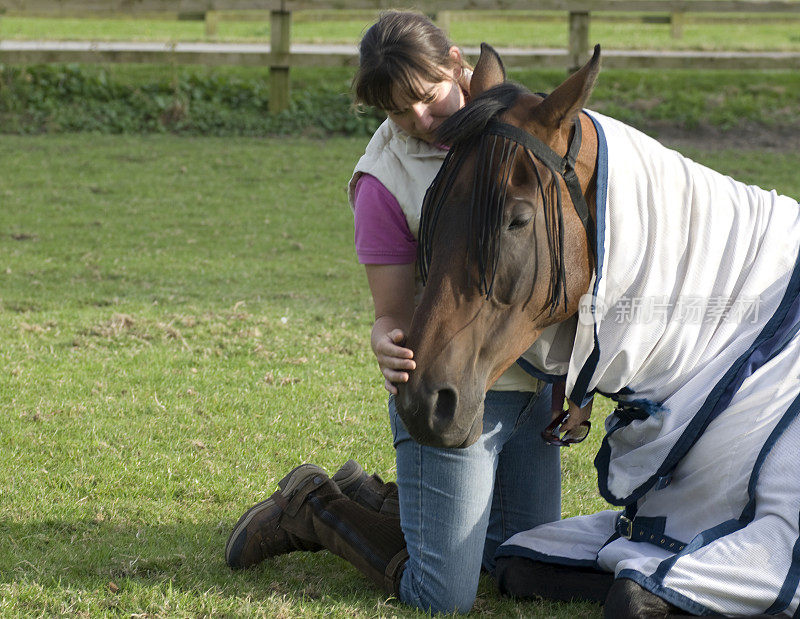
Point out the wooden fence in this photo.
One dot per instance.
(280, 54)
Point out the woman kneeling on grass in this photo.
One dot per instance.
(426, 538)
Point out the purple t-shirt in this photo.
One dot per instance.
(381, 231)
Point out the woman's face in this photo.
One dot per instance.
(420, 119)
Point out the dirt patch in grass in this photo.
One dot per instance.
(743, 137)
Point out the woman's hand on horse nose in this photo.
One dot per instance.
(397, 356)
(394, 360)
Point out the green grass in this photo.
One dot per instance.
(182, 321)
(519, 29)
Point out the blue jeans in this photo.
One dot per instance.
(458, 505)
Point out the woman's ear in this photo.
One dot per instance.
(458, 61)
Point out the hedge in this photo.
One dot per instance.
(72, 98)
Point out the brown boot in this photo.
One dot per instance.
(370, 491)
(258, 536)
(315, 510)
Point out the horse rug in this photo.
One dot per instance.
(691, 326)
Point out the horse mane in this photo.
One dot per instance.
(465, 133)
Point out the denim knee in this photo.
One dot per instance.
(437, 597)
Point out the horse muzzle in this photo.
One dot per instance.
(440, 417)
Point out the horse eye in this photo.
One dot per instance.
(519, 222)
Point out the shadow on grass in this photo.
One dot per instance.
(106, 558)
(101, 556)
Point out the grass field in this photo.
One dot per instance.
(742, 32)
(182, 321)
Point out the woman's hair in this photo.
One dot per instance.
(398, 51)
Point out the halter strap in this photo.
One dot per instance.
(564, 166)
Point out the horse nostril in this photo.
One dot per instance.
(445, 407)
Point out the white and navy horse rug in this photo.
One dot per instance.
(692, 327)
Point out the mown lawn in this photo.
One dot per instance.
(182, 321)
(514, 28)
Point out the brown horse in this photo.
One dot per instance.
(542, 221)
(499, 274)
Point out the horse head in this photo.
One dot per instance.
(503, 251)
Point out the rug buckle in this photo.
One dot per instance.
(625, 527)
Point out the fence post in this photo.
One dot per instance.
(442, 20)
(578, 39)
(280, 27)
(676, 20)
(212, 22)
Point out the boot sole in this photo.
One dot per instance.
(287, 485)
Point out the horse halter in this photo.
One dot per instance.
(563, 166)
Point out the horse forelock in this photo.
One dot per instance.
(494, 157)
(483, 195)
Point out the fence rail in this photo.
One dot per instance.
(281, 54)
(252, 54)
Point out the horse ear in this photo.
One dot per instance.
(564, 103)
(488, 72)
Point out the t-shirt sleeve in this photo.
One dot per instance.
(382, 234)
